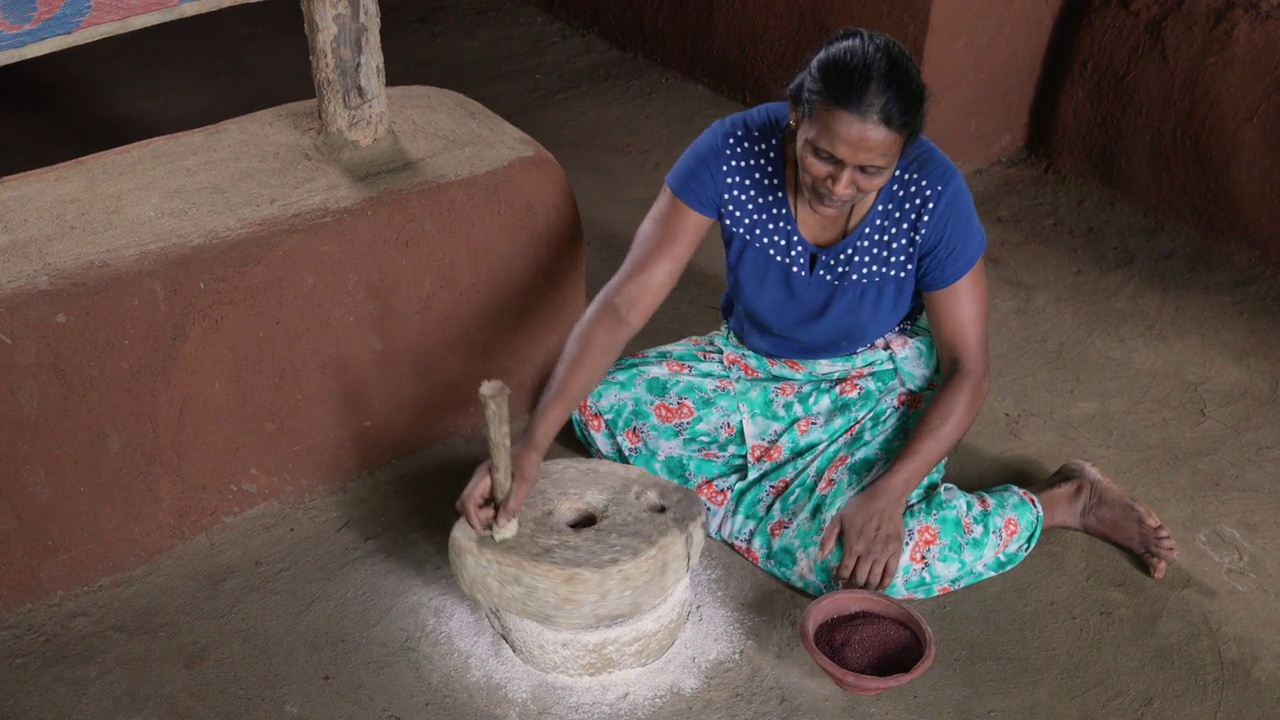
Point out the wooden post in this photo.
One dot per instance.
(347, 67)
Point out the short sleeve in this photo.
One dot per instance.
(953, 238)
(695, 178)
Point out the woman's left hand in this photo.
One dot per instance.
(870, 528)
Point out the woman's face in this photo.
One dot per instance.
(843, 159)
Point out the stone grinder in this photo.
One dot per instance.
(594, 577)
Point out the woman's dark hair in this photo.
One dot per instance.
(865, 73)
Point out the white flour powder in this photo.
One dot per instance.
(712, 636)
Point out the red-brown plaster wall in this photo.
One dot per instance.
(145, 404)
(745, 49)
(981, 60)
(1175, 105)
(982, 64)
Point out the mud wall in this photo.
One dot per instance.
(746, 49)
(1174, 105)
(982, 63)
(981, 60)
(198, 324)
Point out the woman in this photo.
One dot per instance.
(815, 423)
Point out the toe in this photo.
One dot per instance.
(1162, 545)
(1155, 565)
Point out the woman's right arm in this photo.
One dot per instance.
(664, 243)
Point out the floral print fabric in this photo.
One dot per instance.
(775, 448)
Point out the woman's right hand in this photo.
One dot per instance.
(477, 504)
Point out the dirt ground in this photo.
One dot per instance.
(1115, 337)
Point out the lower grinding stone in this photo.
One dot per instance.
(599, 543)
(593, 651)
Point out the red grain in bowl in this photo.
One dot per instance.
(869, 644)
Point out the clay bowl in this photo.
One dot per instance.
(845, 602)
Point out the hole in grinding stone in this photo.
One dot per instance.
(651, 501)
(582, 520)
(581, 513)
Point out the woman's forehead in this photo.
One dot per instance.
(852, 138)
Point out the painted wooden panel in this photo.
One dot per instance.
(34, 27)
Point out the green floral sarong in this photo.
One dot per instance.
(776, 447)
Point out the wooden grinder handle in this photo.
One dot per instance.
(494, 395)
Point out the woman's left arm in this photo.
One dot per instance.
(870, 525)
(958, 317)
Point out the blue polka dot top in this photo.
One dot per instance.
(786, 298)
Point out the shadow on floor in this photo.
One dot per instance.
(410, 504)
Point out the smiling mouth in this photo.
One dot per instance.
(831, 202)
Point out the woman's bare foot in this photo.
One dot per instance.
(1079, 497)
